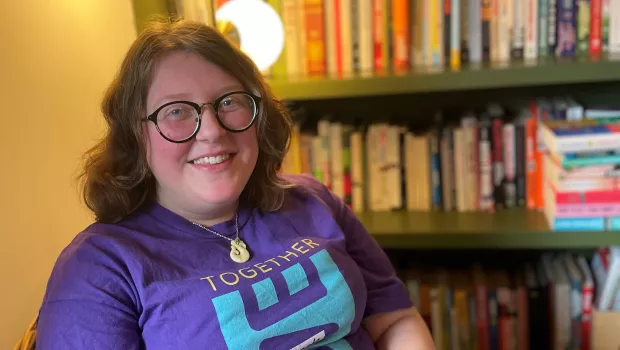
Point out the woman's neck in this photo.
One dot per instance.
(208, 215)
(211, 219)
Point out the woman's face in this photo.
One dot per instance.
(207, 173)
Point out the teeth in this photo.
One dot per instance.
(212, 160)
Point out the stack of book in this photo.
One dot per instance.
(581, 186)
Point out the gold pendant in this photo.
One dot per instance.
(238, 251)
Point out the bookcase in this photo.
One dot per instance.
(437, 240)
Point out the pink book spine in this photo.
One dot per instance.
(587, 210)
(587, 293)
(587, 197)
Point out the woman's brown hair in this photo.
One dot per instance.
(116, 179)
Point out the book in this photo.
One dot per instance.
(579, 136)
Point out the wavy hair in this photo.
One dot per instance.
(116, 179)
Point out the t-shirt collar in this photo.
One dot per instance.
(170, 218)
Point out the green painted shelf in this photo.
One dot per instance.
(549, 72)
(509, 229)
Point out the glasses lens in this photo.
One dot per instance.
(177, 121)
(237, 111)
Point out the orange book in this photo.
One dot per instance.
(315, 37)
(538, 195)
(400, 35)
(534, 159)
(337, 9)
(531, 149)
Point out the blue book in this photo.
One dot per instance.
(578, 224)
(566, 28)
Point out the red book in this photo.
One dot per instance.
(482, 308)
(379, 35)
(587, 197)
(595, 27)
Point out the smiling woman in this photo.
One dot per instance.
(199, 239)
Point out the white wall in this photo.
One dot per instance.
(56, 58)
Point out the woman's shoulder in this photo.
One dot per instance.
(304, 181)
(309, 188)
(102, 237)
(96, 256)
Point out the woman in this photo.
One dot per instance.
(198, 242)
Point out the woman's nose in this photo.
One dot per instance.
(210, 128)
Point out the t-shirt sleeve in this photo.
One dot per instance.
(89, 302)
(386, 292)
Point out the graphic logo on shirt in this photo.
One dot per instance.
(314, 290)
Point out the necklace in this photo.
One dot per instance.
(238, 249)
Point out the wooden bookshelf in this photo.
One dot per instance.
(515, 74)
(508, 229)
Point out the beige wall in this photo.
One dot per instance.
(56, 58)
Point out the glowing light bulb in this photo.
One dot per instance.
(258, 25)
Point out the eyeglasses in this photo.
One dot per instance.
(179, 121)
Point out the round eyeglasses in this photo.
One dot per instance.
(179, 121)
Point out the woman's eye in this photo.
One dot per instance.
(177, 112)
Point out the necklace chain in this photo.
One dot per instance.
(238, 249)
(219, 234)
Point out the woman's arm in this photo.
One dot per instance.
(402, 329)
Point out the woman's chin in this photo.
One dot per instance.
(223, 195)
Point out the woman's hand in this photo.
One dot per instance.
(402, 329)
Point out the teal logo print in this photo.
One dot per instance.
(336, 307)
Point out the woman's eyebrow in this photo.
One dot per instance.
(186, 96)
(172, 97)
(229, 88)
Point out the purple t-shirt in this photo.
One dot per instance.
(157, 281)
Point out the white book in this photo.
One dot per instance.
(518, 28)
(614, 26)
(292, 35)
(510, 164)
(365, 41)
(330, 37)
(531, 30)
(475, 31)
(346, 40)
(504, 29)
(357, 171)
(337, 167)
(393, 174)
(455, 29)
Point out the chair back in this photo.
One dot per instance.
(28, 340)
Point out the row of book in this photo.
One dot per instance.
(485, 161)
(543, 304)
(343, 37)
